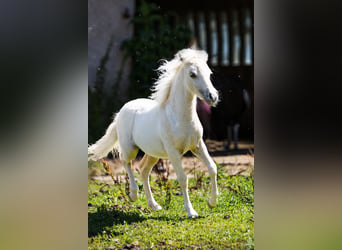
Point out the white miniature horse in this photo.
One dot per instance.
(165, 126)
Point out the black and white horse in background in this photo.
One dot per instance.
(224, 119)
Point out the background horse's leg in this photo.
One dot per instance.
(133, 186)
(229, 136)
(146, 166)
(176, 162)
(202, 153)
(236, 135)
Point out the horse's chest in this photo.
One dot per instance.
(185, 138)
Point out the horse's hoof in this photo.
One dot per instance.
(156, 207)
(193, 216)
(133, 196)
(211, 203)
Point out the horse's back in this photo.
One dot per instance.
(128, 113)
(138, 126)
(138, 105)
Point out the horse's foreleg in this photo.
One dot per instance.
(146, 166)
(133, 186)
(202, 153)
(176, 162)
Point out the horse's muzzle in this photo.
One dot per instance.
(211, 98)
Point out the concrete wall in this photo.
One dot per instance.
(106, 19)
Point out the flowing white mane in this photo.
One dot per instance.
(169, 69)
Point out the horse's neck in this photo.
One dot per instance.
(181, 101)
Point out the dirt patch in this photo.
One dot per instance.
(234, 162)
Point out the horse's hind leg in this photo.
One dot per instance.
(134, 189)
(146, 166)
(128, 150)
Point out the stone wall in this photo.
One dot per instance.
(106, 19)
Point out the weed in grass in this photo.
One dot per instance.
(168, 195)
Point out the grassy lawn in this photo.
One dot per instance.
(116, 223)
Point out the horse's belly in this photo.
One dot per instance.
(146, 133)
(151, 145)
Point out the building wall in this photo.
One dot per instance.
(106, 19)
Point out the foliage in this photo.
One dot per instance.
(116, 223)
(101, 105)
(154, 39)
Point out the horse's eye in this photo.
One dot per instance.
(192, 74)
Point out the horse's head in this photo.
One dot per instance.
(197, 75)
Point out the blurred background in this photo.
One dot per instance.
(45, 85)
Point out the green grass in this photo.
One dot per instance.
(114, 221)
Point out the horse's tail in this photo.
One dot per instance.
(104, 145)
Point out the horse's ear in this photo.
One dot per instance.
(193, 44)
(180, 57)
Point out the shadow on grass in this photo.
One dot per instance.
(173, 218)
(98, 221)
(102, 219)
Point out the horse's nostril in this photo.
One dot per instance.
(211, 97)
